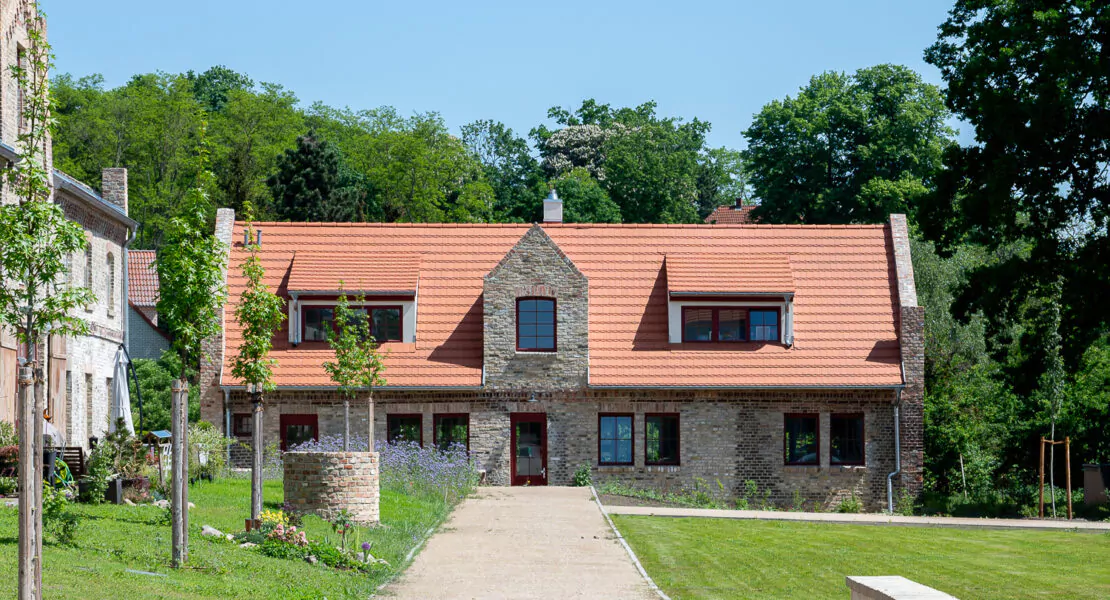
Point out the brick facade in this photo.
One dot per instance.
(325, 483)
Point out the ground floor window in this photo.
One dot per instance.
(614, 439)
(661, 439)
(298, 429)
(451, 429)
(846, 439)
(241, 424)
(404, 428)
(801, 440)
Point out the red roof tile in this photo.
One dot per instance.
(730, 215)
(751, 273)
(142, 278)
(376, 272)
(844, 304)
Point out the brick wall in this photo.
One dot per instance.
(212, 349)
(911, 338)
(325, 483)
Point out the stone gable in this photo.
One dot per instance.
(535, 267)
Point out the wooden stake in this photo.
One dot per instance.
(256, 459)
(1040, 510)
(27, 495)
(185, 470)
(1067, 465)
(177, 553)
(39, 460)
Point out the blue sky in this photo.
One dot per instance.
(716, 60)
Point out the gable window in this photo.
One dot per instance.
(88, 271)
(800, 440)
(451, 430)
(729, 324)
(385, 322)
(846, 440)
(404, 428)
(614, 439)
(661, 439)
(535, 325)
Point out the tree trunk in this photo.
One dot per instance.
(28, 511)
(1052, 467)
(256, 459)
(39, 459)
(177, 475)
(963, 475)
(346, 424)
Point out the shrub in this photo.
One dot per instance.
(8, 435)
(126, 451)
(583, 475)
(9, 456)
(97, 475)
(851, 504)
(8, 485)
(799, 503)
(58, 518)
(204, 437)
(281, 549)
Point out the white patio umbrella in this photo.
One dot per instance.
(121, 395)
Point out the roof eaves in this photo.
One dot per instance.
(86, 193)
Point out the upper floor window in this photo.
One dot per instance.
(88, 266)
(385, 322)
(729, 324)
(535, 325)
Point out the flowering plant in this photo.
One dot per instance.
(270, 520)
(288, 535)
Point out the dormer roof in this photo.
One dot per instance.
(371, 273)
(715, 274)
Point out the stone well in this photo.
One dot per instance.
(325, 483)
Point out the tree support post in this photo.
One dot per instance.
(177, 475)
(1067, 466)
(29, 512)
(1040, 470)
(256, 455)
(38, 460)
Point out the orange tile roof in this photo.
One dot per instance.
(844, 307)
(142, 278)
(731, 215)
(375, 272)
(752, 273)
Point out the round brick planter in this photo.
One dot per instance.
(325, 483)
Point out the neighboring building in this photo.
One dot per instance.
(78, 371)
(145, 339)
(663, 355)
(736, 214)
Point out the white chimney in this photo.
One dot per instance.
(552, 208)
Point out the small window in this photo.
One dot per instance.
(385, 323)
(765, 325)
(846, 440)
(614, 439)
(801, 440)
(242, 425)
(88, 272)
(732, 325)
(661, 439)
(404, 428)
(697, 324)
(317, 323)
(111, 266)
(535, 325)
(451, 430)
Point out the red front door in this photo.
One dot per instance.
(297, 429)
(529, 444)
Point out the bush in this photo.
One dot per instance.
(275, 548)
(8, 435)
(583, 475)
(407, 466)
(155, 378)
(8, 485)
(58, 518)
(851, 504)
(98, 473)
(204, 437)
(9, 456)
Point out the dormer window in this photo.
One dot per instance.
(729, 324)
(385, 322)
(535, 325)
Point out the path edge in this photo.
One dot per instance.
(627, 548)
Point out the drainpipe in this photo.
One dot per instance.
(227, 424)
(126, 308)
(897, 456)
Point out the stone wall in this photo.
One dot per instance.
(325, 483)
(212, 349)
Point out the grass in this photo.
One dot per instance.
(113, 539)
(723, 558)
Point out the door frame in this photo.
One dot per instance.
(286, 420)
(515, 418)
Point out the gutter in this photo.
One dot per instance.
(83, 192)
(896, 386)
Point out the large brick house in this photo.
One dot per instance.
(664, 355)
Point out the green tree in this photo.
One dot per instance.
(156, 379)
(831, 153)
(35, 239)
(511, 170)
(307, 184)
(721, 180)
(358, 365)
(259, 314)
(214, 87)
(584, 200)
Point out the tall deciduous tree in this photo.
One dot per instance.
(848, 148)
(35, 239)
(511, 170)
(358, 364)
(584, 200)
(260, 314)
(190, 267)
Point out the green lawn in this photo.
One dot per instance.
(113, 539)
(724, 558)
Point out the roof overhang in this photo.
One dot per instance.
(90, 197)
(759, 275)
(378, 274)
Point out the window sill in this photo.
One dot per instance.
(616, 468)
(537, 353)
(662, 468)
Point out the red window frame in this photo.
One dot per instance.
(284, 421)
(554, 324)
(435, 426)
(715, 327)
(632, 440)
(390, 418)
(817, 441)
(677, 439)
(863, 438)
(237, 421)
(369, 308)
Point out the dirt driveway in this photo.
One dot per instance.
(523, 542)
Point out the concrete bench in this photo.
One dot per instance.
(892, 588)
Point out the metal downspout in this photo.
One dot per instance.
(897, 455)
(227, 424)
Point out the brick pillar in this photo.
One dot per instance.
(113, 187)
(911, 340)
(212, 358)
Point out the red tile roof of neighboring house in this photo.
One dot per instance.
(377, 272)
(731, 215)
(142, 278)
(750, 273)
(844, 307)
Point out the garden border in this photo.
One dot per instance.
(627, 548)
